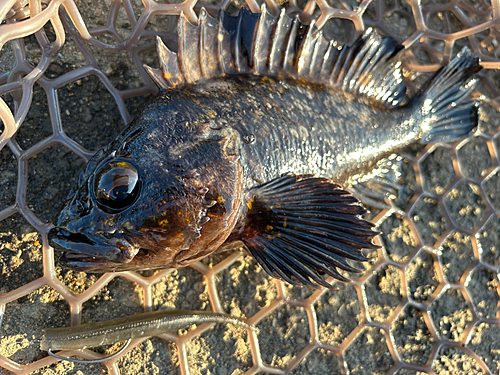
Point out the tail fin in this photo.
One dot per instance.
(444, 115)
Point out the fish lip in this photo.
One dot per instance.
(90, 250)
(81, 262)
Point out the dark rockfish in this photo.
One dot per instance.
(255, 107)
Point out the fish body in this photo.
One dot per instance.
(289, 126)
(261, 156)
(282, 126)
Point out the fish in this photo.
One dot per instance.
(265, 135)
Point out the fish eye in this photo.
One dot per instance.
(116, 185)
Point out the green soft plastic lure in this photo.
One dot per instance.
(130, 327)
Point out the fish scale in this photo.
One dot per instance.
(289, 136)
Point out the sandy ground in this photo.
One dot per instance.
(90, 116)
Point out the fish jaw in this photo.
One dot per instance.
(83, 263)
(85, 251)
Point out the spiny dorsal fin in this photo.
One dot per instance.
(262, 44)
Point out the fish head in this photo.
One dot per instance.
(152, 204)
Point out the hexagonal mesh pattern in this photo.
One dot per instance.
(426, 303)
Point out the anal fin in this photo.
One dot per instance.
(382, 185)
(300, 228)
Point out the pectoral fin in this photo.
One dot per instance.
(302, 227)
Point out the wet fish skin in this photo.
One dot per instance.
(231, 160)
(284, 126)
(307, 129)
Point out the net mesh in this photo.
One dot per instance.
(72, 75)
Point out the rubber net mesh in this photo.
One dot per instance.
(71, 76)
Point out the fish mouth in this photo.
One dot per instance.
(84, 252)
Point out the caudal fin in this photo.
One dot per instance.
(445, 114)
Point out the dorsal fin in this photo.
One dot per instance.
(262, 44)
